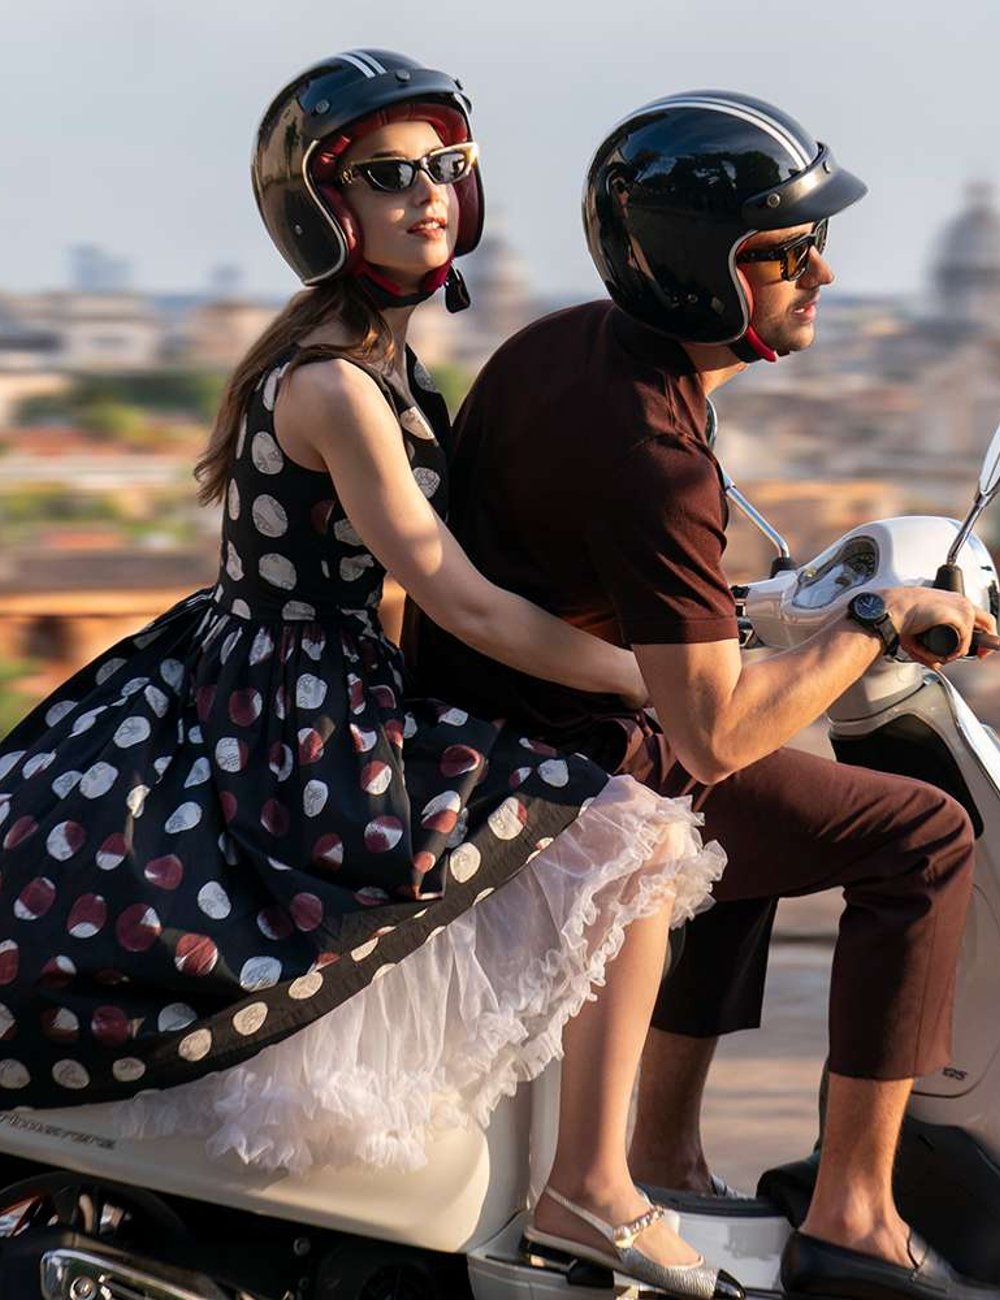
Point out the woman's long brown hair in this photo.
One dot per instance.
(342, 299)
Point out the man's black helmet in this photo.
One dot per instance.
(678, 186)
(315, 119)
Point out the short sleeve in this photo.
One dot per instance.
(657, 540)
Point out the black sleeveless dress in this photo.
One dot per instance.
(232, 822)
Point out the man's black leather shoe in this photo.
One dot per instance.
(819, 1270)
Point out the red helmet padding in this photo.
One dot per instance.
(763, 350)
(451, 126)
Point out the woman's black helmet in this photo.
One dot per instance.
(676, 188)
(313, 120)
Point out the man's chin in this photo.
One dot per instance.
(794, 339)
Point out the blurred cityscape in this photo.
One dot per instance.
(107, 394)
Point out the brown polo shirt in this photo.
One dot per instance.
(581, 478)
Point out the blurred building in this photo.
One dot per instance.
(94, 270)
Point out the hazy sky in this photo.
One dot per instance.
(128, 122)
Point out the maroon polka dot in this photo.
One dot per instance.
(245, 706)
(383, 834)
(355, 693)
(110, 1026)
(326, 959)
(204, 698)
(274, 922)
(137, 928)
(274, 817)
(384, 697)
(229, 806)
(57, 973)
(112, 852)
(320, 514)
(87, 916)
(371, 896)
(165, 872)
(423, 862)
(459, 759)
(35, 899)
(10, 960)
(310, 745)
(60, 1025)
(19, 832)
(196, 954)
(394, 732)
(328, 851)
(307, 911)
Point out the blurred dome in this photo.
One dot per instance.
(966, 271)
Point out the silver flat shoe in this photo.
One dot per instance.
(680, 1281)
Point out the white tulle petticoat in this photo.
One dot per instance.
(445, 1034)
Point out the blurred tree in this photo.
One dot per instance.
(14, 702)
(454, 382)
(113, 420)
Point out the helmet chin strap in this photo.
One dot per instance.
(751, 347)
(389, 294)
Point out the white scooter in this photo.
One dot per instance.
(87, 1215)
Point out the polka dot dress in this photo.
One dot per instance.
(231, 823)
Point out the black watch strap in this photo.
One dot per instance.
(868, 610)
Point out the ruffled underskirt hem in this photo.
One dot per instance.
(439, 1039)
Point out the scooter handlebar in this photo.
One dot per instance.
(943, 640)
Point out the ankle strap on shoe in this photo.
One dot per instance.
(621, 1235)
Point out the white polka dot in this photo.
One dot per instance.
(281, 762)
(266, 454)
(98, 780)
(313, 644)
(172, 672)
(64, 840)
(278, 570)
(13, 1074)
(63, 784)
(453, 718)
(127, 1069)
(196, 1046)
(269, 516)
(428, 481)
(310, 691)
(184, 818)
(298, 610)
(353, 566)
(230, 754)
(83, 723)
(485, 893)
(241, 440)
(414, 421)
(465, 862)
(135, 800)
(214, 901)
(234, 565)
(270, 394)
(555, 772)
(344, 532)
(233, 498)
(383, 970)
(306, 986)
(249, 1019)
(364, 950)
(200, 772)
(178, 1015)
(70, 1074)
(409, 726)
(260, 973)
(241, 609)
(228, 849)
(363, 740)
(262, 648)
(109, 669)
(133, 731)
(314, 798)
(59, 711)
(37, 763)
(132, 686)
(507, 821)
(156, 700)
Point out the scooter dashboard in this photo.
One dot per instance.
(847, 564)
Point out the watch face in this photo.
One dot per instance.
(868, 605)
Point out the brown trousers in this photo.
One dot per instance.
(794, 824)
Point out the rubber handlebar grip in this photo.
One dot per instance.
(942, 641)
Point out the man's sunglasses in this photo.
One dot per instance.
(793, 254)
(445, 166)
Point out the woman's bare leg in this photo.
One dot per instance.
(602, 1047)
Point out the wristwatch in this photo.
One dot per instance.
(869, 610)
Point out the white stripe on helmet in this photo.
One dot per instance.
(355, 59)
(756, 117)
